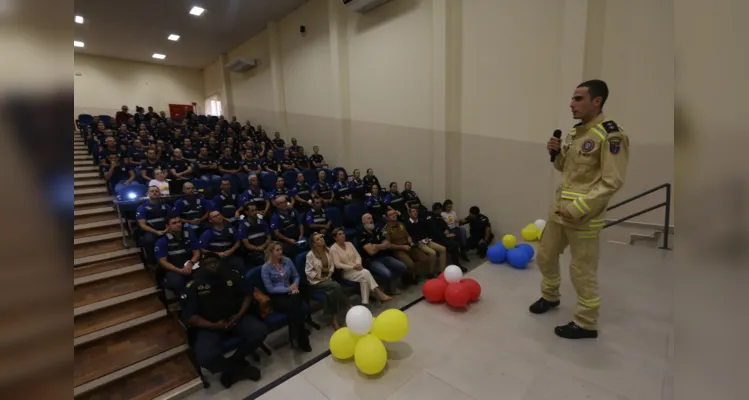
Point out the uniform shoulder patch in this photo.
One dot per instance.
(615, 146)
(189, 284)
(611, 127)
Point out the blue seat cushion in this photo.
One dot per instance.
(231, 343)
(275, 319)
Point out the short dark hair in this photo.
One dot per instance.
(436, 206)
(447, 202)
(596, 88)
(171, 217)
(211, 257)
(474, 210)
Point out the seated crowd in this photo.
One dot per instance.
(243, 226)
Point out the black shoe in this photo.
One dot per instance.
(464, 256)
(227, 379)
(574, 331)
(239, 361)
(304, 346)
(248, 372)
(542, 305)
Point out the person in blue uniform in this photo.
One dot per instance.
(193, 209)
(376, 204)
(137, 153)
(370, 179)
(254, 235)
(412, 199)
(302, 194)
(228, 166)
(286, 227)
(322, 189)
(395, 201)
(180, 168)
(278, 143)
(222, 239)
(151, 217)
(121, 178)
(188, 151)
(216, 304)
(255, 195)
(287, 163)
(301, 161)
(317, 159)
(208, 168)
(377, 253)
(317, 222)
(151, 164)
(480, 230)
(110, 146)
(177, 252)
(280, 190)
(226, 201)
(356, 187)
(251, 166)
(342, 190)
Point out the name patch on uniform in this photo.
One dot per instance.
(615, 146)
(229, 283)
(588, 146)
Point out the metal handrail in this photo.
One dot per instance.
(666, 204)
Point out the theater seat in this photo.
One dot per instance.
(310, 177)
(300, 262)
(275, 319)
(278, 155)
(289, 178)
(268, 181)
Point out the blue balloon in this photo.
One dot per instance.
(497, 254)
(528, 249)
(518, 258)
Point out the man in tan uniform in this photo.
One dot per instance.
(404, 249)
(593, 161)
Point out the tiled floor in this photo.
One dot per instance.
(497, 350)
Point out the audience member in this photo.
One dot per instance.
(376, 204)
(378, 253)
(285, 226)
(192, 208)
(208, 167)
(151, 164)
(151, 217)
(281, 281)
(287, 163)
(271, 166)
(322, 189)
(137, 153)
(454, 225)
(281, 190)
(228, 167)
(302, 194)
(395, 201)
(481, 231)
(356, 185)
(420, 233)
(177, 252)
(319, 268)
(301, 161)
(442, 235)
(294, 146)
(216, 305)
(254, 235)
(226, 201)
(122, 116)
(404, 248)
(255, 195)
(222, 239)
(159, 180)
(180, 168)
(412, 199)
(342, 190)
(278, 143)
(348, 260)
(316, 220)
(370, 180)
(120, 176)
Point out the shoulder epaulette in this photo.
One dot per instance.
(611, 127)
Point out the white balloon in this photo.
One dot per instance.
(540, 224)
(359, 320)
(453, 273)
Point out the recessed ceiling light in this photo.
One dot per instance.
(173, 37)
(196, 11)
(77, 43)
(159, 56)
(78, 19)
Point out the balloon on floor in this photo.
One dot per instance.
(517, 255)
(363, 337)
(451, 287)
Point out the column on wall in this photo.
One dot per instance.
(225, 96)
(439, 98)
(339, 72)
(276, 70)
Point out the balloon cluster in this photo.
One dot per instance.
(517, 255)
(533, 231)
(450, 287)
(362, 337)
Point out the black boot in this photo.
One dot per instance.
(464, 255)
(303, 344)
(574, 331)
(542, 305)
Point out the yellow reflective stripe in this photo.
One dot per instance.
(598, 220)
(600, 131)
(583, 204)
(594, 302)
(588, 234)
(578, 207)
(552, 282)
(569, 197)
(572, 193)
(573, 131)
(598, 225)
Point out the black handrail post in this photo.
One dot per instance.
(666, 224)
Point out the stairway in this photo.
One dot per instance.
(126, 344)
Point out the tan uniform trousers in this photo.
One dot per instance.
(434, 250)
(584, 246)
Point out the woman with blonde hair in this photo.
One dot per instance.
(281, 281)
(346, 258)
(319, 269)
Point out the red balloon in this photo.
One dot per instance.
(457, 295)
(442, 277)
(434, 290)
(473, 287)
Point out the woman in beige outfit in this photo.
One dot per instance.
(347, 259)
(319, 269)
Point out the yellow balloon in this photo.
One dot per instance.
(370, 355)
(343, 343)
(509, 241)
(391, 325)
(529, 233)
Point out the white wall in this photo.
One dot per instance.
(103, 85)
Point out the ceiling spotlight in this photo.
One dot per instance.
(159, 56)
(78, 19)
(77, 43)
(196, 11)
(173, 37)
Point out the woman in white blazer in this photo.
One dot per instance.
(346, 258)
(319, 269)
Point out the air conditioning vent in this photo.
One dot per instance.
(241, 65)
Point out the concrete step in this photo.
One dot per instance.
(83, 161)
(85, 175)
(107, 274)
(112, 301)
(87, 168)
(93, 211)
(80, 152)
(83, 157)
(104, 258)
(106, 265)
(96, 239)
(118, 328)
(93, 201)
(90, 183)
(90, 192)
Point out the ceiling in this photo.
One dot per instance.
(136, 29)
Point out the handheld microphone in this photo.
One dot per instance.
(553, 153)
